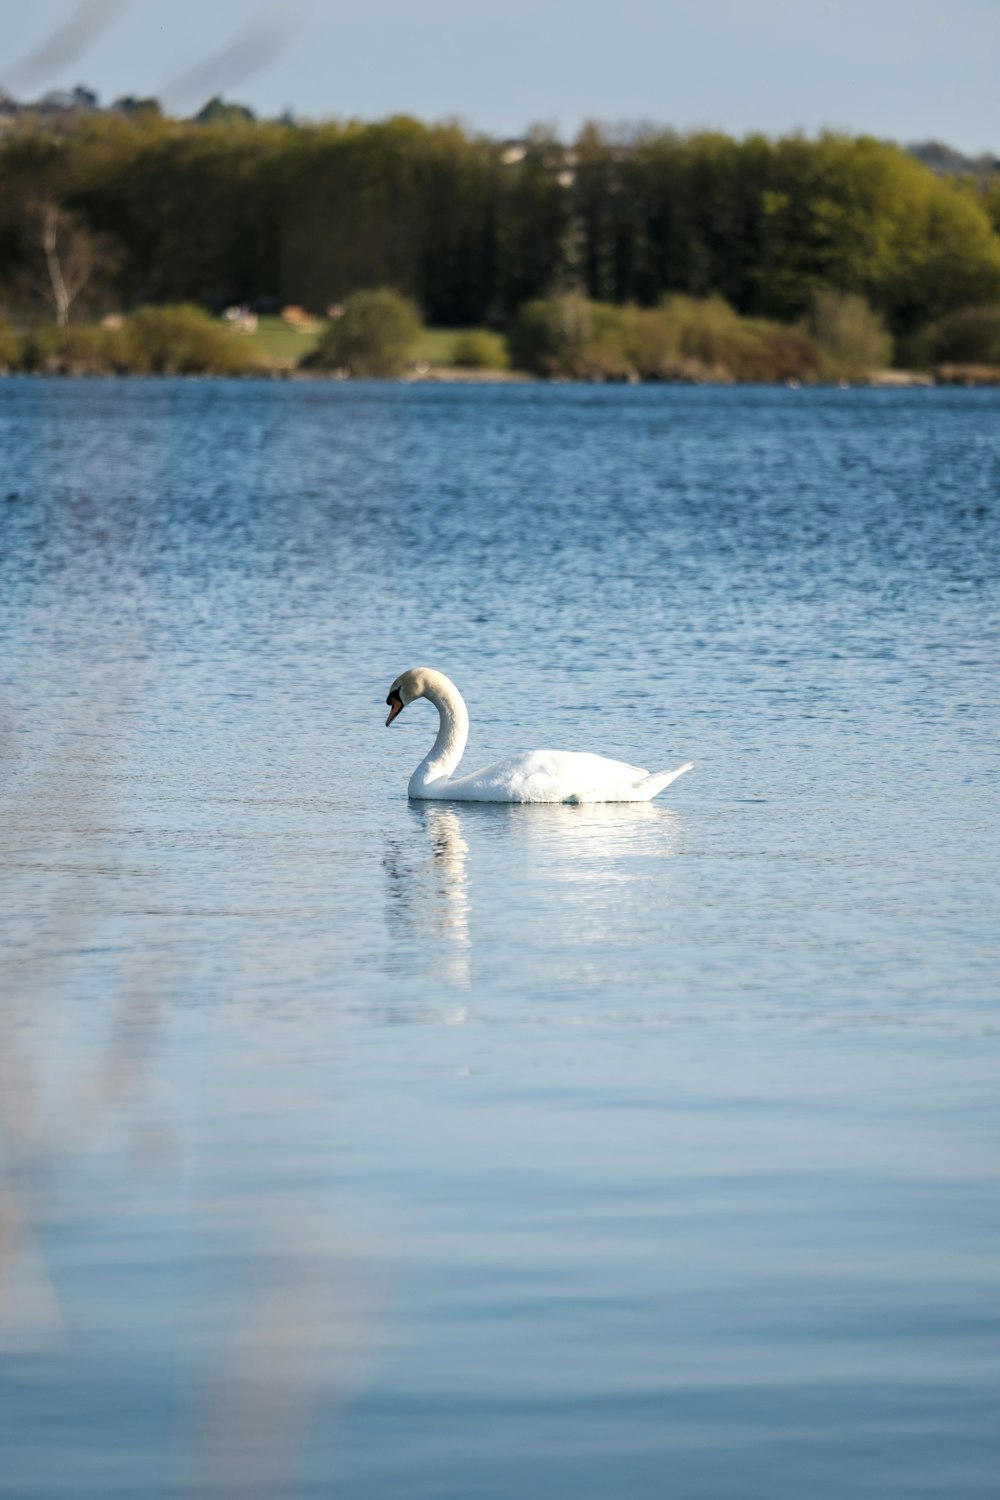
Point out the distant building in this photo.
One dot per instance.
(80, 101)
(945, 161)
(59, 108)
(512, 152)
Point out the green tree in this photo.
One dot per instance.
(861, 216)
(473, 228)
(532, 225)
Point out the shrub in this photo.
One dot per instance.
(853, 339)
(548, 334)
(654, 343)
(86, 349)
(705, 339)
(372, 338)
(180, 339)
(604, 354)
(683, 339)
(970, 336)
(79, 349)
(480, 350)
(707, 333)
(155, 340)
(572, 337)
(714, 342)
(10, 347)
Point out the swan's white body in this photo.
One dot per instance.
(537, 776)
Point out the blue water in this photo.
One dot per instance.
(357, 1148)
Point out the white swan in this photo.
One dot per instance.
(538, 776)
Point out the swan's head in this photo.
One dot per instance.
(408, 686)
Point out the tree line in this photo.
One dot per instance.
(472, 228)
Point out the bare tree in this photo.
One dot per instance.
(73, 257)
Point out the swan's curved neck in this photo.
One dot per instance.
(452, 735)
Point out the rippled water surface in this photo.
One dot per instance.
(358, 1148)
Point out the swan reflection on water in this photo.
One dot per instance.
(428, 889)
(589, 851)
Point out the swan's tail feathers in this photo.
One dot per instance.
(651, 786)
(643, 790)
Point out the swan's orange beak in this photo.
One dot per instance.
(396, 705)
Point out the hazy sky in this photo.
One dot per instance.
(905, 69)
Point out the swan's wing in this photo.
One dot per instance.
(552, 776)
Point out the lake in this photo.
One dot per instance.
(353, 1147)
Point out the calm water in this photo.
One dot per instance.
(354, 1148)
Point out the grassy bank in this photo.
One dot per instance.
(283, 347)
(279, 346)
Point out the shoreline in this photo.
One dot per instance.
(966, 377)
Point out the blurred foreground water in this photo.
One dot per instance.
(353, 1147)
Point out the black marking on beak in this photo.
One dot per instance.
(396, 706)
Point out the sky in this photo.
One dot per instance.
(907, 70)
